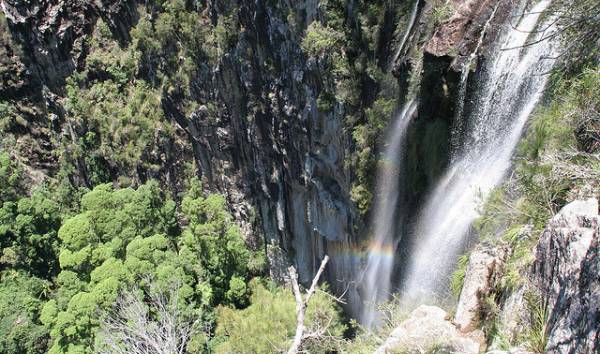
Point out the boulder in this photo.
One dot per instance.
(567, 272)
(485, 264)
(428, 329)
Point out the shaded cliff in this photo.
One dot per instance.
(272, 120)
(280, 106)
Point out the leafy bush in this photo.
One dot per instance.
(535, 334)
(28, 234)
(269, 323)
(21, 298)
(10, 178)
(366, 136)
(458, 276)
(320, 40)
(442, 12)
(122, 127)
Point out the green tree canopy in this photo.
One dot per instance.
(124, 237)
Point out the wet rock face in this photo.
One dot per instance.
(428, 330)
(283, 154)
(567, 271)
(459, 34)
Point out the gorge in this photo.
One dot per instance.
(441, 153)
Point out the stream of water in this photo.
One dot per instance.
(510, 86)
(380, 262)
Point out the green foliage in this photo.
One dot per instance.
(366, 136)
(488, 315)
(535, 335)
(21, 298)
(176, 33)
(441, 11)
(8, 114)
(122, 237)
(579, 21)
(28, 234)
(123, 126)
(361, 196)
(212, 233)
(458, 276)
(320, 40)
(269, 323)
(10, 176)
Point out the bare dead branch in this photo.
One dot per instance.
(152, 325)
(302, 305)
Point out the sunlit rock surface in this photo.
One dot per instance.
(428, 329)
(482, 270)
(567, 271)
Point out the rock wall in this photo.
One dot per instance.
(567, 273)
(281, 161)
(563, 280)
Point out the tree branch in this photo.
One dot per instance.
(302, 304)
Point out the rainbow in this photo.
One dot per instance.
(372, 248)
(378, 249)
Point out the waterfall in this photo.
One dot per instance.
(409, 26)
(376, 279)
(512, 85)
(462, 86)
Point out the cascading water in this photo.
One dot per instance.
(462, 86)
(411, 23)
(376, 278)
(513, 84)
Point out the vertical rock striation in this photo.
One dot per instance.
(567, 272)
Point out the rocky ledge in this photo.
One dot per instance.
(429, 329)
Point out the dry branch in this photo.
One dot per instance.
(302, 305)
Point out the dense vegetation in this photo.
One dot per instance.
(108, 214)
(63, 270)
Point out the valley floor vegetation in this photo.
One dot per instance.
(124, 267)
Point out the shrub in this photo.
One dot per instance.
(441, 12)
(21, 298)
(458, 276)
(269, 323)
(320, 40)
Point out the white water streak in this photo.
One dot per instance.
(411, 22)
(462, 86)
(376, 280)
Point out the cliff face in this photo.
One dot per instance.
(272, 150)
(262, 140)
(566, 271)
(252, 117)
(555, 309)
